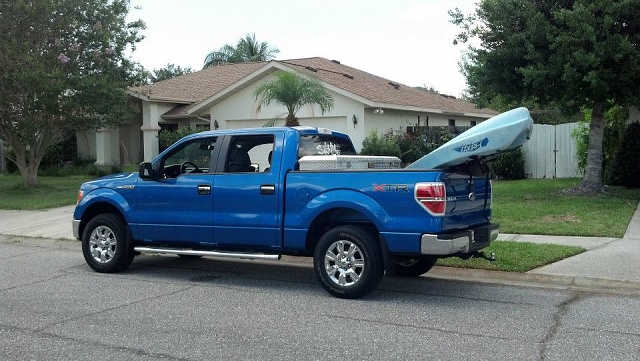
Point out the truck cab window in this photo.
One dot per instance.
(190, 158)
(249, 154)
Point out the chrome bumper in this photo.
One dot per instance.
(75, 225)
(462, 242)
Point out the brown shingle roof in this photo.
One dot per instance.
(196, 87)
(381, 90)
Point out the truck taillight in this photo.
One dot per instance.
(432, 196)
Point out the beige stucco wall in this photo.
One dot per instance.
(400, 119)
(241, 110)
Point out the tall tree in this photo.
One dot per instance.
(574, 53)
(248, 49)
(167, 72)
(62, 69)
(293, 92)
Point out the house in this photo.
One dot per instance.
(222, 97)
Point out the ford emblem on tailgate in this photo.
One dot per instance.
(472, 196)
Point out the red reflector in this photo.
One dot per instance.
(432, 197)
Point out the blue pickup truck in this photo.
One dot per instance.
(301, 191)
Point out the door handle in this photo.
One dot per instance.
(268, 189)
(204, 189)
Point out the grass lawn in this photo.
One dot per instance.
(50, 192)
(515, 256)
(540, 206)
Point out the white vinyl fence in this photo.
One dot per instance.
(551, 152)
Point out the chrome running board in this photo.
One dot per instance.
(192, 252)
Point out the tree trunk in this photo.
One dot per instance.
(592, 180)
(30, 174)
(291, 121)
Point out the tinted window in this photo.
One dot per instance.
(324, 144)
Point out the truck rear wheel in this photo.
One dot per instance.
(104, 244)
(348, 262)
(414, 267)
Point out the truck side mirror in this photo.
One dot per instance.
(145, 171)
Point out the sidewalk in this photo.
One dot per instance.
(608, 264)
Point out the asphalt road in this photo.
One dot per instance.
(54, 307)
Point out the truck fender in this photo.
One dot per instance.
(101, 200)
(343, 198)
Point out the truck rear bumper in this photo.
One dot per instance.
(461, 242)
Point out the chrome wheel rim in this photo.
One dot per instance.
(344, 263)
(102, 244)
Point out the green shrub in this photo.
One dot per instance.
(168, 137)
(624, 170)
(374, 144)
(509, 165)
(409, 147)
(56, 156)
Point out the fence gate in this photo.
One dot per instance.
(551, 152)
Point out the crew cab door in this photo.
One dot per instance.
(176, 206)
(247, 194)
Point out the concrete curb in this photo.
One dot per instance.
(536, 280)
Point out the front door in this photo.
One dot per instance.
(177, 207)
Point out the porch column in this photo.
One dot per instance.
(150, 129)
(150, 141)
(104, 148)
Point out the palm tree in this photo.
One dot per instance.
(248, 49)
(293, 92)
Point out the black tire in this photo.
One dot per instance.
(414, 267)
(105, 244)
(348, 262)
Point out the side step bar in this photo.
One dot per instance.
(193, 252)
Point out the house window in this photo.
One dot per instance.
(473, 123)
(171, 127)
(452, 122)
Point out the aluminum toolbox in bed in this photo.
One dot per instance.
(348, 162)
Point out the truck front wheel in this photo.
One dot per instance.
(348, 262)
(414, 267)
(104, 244)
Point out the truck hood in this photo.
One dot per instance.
(499, 134)
(110, 181)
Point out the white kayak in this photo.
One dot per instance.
(501, 133)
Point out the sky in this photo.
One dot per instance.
(406, 41)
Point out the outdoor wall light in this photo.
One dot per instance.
(378, 111)
(215, 124)
(355, 121)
